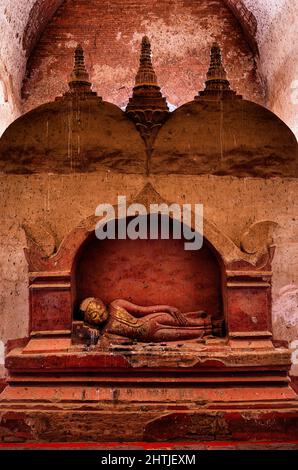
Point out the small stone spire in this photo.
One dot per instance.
(79, 78)
(146, 74)
(217, 85)
(146, 92)
(216, 75)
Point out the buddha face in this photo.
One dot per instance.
(95, 311)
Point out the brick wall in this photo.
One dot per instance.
(248, 22)
(39, 15)
(181, 32)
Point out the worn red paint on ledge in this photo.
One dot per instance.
(143, 445)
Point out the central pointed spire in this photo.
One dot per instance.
(146, 92)
(146, 74)
(79, 78)
(147, 108)
(217, 86)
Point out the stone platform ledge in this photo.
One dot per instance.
(193, 427)
(97, 396)
(19, 360)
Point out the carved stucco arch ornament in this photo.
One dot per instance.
(256, 253)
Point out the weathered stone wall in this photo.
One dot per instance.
(181, 34)
(277, 38)
(21, 23)
(13, 19)
(59, 203)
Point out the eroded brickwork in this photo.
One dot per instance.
(39, 15)
(110, 31)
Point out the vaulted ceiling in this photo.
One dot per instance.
(270, 26)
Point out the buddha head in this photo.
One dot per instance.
(94, 310)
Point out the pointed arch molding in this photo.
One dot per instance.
(231, 255)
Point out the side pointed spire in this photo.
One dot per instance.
(79, 82)
(79, 78)
(217, 86)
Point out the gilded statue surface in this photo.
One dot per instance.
(157, 323)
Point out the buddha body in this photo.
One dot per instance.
(157, 323)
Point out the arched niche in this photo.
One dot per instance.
(149, 272)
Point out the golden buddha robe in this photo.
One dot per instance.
(155, 326)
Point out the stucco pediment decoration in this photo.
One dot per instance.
(42, 237)
(42, 254)
(258, 238)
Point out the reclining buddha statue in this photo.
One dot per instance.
(158, 323)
